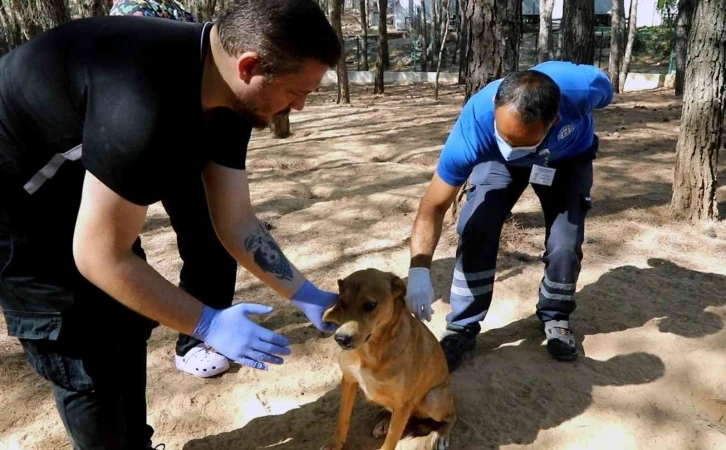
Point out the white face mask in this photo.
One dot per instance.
(511, 153)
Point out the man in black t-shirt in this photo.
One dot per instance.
(209, 272)
(100, 118)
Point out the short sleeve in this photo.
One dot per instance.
(585, 86)
(228, 137)
(600, 88)
(466, 145)
(123, 146)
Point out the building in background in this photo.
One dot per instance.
(400, 12)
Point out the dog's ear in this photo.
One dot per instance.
(341, 283)
(332, 315)
(398, 287)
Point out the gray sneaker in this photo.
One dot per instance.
(454, 346)
(560, 340)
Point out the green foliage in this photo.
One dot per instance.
(668, 9)
(656, 41)
(664, 5)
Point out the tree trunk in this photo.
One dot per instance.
(632, 31)
(383, 59)
(492, 50)
(280, 126)
(24, 19)
(424, 31)
(382, 45)
(443, 44)
(10, 34)
(92, 8)
(578, 31)
(509, 23)
(210, 7)
(443, 17)
(683, 27)
(364, 29)
(342, 67)
(457, 46)
(704, 103)
(463, 41)
(5, 26)
(617, 43)
(544, 40)
(560, 36)
(434, 29)
(202, 9)
(412, 19)
(57, 12)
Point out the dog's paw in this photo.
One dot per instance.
(381, 428)
(439, 441)
(332, 446)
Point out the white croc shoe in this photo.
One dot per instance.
(202, 362)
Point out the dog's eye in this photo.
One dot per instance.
(369, 306)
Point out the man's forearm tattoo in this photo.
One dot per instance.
(267, 254)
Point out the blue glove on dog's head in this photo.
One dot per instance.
(313, 303)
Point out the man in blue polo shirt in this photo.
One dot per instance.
(532, 127)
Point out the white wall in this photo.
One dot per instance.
(647, 14)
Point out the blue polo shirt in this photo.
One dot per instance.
(472, 141)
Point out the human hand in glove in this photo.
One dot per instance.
(420, 293)
(231, 333)
(313, 302)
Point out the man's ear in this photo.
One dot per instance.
(398, 287)
(248, 65)
(332, 315)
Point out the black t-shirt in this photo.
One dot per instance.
(117, 96)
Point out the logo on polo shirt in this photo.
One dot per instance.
(565, 131)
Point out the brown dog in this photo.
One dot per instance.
(392, 356)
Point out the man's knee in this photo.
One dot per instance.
(565, 251)
(565, 242)
(482, 226)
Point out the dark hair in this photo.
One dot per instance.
(534, 95)
(284, 33)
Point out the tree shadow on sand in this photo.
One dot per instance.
(628, 297)
(509, 389)
(517, 393)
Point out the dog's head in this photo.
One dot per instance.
(367, 300)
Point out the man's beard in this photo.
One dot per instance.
(251, 114)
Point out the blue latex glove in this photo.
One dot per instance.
(232, 334)
(313, 303)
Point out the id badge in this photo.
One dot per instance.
(542, 175)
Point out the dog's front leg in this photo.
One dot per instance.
(348, 390)
(399, 419)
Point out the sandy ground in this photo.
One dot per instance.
(341, 194)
